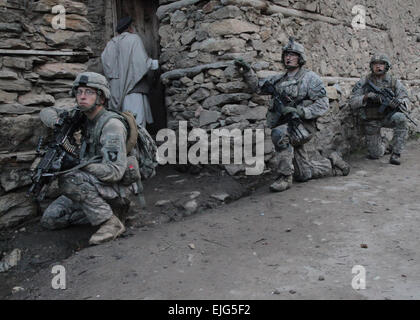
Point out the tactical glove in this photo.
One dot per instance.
(394, 103)
(294, 111)
(372, 97)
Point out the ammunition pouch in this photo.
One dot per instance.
(371, 113)
(298, 134)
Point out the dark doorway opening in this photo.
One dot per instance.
(146, 23)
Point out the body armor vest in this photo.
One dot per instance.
(91, 145)
(371, 112)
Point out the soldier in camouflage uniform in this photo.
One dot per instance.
(368, 104)
(307, 91)
(92, 193)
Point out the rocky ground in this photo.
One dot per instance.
(299, 244)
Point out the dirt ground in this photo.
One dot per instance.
(299, 244)
(175, 185)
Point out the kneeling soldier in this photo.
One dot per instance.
(95, 192)
(299, 97)
(382, 101)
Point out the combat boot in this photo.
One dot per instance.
(109, 230)
(395, 159)
(338, 162)
(282, 183)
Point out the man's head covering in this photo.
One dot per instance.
(123, 24)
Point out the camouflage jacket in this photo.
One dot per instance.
(110, 144)
(305, 86)
(359, 90)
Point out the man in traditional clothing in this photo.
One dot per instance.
(126, 64)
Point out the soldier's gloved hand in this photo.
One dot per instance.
(373, 97)
(242, 65)
(61, 118)
(293, 111)
(394, 103)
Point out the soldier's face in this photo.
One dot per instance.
(86, 97)
(291, 60)
(378, 68)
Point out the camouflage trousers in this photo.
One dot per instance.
(295, 161)
(376, 144)
(84, 200)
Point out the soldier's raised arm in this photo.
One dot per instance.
(251, 78)
(50, 116)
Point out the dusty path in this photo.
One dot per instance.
(300, 244)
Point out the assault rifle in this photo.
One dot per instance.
(60, 154)
(280, 102)
(298, 134)
(387, 96)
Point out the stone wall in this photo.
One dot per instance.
(37, 67)
(200, 39)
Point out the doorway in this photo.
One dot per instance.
(146, 23)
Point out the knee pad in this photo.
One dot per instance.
(400, 120)
(280, 138)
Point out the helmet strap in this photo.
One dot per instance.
(291, 68)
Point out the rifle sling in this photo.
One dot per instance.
(95, 159)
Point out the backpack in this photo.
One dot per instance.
(147, 147)
(146, 158)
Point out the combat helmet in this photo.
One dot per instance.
(293, 46)
(380, 57)
(93, 80)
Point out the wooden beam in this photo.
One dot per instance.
(189, 72)
(332, 80)
(43, 52)
(288, 12)
(301, 14)
(114, 16)
(165, 9)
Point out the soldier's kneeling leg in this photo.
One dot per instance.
(302, 166)
(58, 214)
(399, 123)
(375, 144)
(77, 186)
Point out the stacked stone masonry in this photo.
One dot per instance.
(198, 41)
(37, 66)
